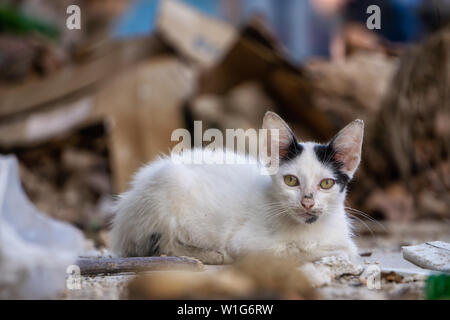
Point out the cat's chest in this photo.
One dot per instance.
(298, 240)
(257, 238)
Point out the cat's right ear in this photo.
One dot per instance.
(286, 137)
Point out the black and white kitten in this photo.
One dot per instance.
(217, 212)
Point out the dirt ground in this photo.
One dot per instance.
(399, 278)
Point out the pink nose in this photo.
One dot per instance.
(307, 203)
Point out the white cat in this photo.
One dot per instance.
(217, 212)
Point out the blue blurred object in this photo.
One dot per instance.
(141, 18)
(400, 20)
(302, 30)
(290, 20)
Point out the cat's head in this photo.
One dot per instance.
(312, 178)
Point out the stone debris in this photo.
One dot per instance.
(340, 266)
(430, 255)
(100, 287)
(325, 270)
(371, 277)
(365, 254)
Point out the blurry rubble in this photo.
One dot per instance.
(201, 39)
(69, 178)
(254, 277)
(35, 250)
(241, 107)
(391, 234)
(38, 43)
(411, 130)
(101, 108)
(356, 37)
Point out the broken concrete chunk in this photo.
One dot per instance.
(371, 277)
(430, 255)
(340, 266)
(325, 270)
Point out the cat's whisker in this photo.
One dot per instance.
(275, 215)
(365, 224)
(365, 215)
(279, 210)
(274, 208)
(361, 212)
(332, 208)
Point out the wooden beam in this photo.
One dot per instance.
(74, 78)
(92, 266)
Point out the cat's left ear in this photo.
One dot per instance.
(286, 137)
(347, 145)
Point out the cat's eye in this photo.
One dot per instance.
(326, 183)
(291, 180)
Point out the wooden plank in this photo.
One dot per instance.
(143, 107)
(137, 264)
(29, 95)
(117, 104)
(163, 86)
(36, 127)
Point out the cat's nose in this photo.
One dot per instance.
(307, 203)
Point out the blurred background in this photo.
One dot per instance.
(83, 109)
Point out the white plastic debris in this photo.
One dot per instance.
(35, 250)
(430, 255)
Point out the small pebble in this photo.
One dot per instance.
(365, 254)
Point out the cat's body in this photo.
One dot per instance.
(217, 212)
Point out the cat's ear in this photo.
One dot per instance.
(285, 135)
(347, 145)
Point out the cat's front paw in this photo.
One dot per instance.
(352, 252)
(347, 252)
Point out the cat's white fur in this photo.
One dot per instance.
(217, 212)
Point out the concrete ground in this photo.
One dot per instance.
(380, 248)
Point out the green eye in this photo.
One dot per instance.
(326, 183)
(291, 180)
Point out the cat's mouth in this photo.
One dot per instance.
(307, 216)
(311, 219)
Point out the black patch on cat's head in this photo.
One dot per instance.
(325, 153)
(295, 149)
